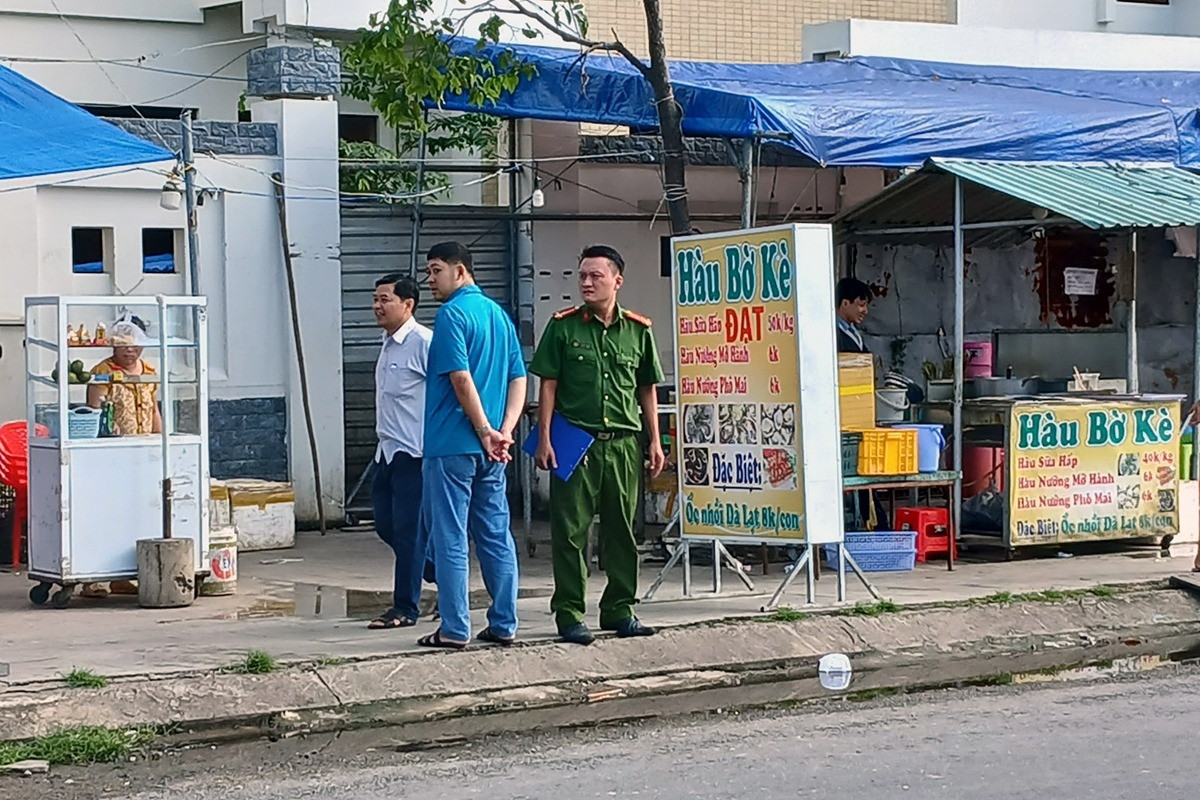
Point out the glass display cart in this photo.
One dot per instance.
(100, 435)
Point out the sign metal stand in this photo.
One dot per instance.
(764, 459)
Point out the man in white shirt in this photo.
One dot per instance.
(400, 425)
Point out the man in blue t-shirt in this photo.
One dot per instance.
(474, 396)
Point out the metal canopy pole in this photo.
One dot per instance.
(960, 256)
(1131, 324)
(189, 193)
(1195, 359)
(746, 168)
(415, 255)
(1196, 352)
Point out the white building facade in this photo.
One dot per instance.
(140, 63)
(1064, 34)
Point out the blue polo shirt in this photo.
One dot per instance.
(471, 332)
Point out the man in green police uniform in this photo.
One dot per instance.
(598, 364)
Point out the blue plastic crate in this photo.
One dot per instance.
(896, 561)
(880, 542)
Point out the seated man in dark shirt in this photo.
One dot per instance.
(853, 302)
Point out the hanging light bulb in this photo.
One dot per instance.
(538, 199)
(172, 194)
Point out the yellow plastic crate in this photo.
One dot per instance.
(884, 451)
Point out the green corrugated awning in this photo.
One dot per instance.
(1095, 195)
(1003, 201)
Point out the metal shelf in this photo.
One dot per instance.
(148, 345)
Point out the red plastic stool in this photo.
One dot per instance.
(933, 530)
(14, 472)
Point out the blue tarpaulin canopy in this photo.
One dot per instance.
(880, 112)
(42, 134)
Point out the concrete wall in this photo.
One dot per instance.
(166, 42)
(308, 147)
(962, 44)
(256, 420)
(1005, 290)
(238, 265)
(1080, 15)
(759, 31)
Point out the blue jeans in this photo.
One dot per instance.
(467, 493)
(396, 497)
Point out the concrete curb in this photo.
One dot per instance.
(920, 647)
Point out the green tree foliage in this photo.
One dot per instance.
(403, 65)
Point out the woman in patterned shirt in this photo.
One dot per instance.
(135, 405)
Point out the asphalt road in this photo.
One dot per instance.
(1132, 737)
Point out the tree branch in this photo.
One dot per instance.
(589, 45)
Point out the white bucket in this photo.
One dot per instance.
(890, 404)
(222, 563)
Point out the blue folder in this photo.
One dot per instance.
(570, 444)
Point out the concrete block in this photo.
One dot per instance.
(1189, 514)
(220, 513)
(264, 513)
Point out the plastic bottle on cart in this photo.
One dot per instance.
(108, 418)
(1187, 449)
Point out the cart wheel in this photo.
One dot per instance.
(62, 598)
(40, 595)
(1008, 555)
(531, 548)
(351, 521)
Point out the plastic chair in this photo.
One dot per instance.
(14, 473)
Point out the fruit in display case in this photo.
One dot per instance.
(76, 373)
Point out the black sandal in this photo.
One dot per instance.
(491, 637)
(435, 640)
(390, 621)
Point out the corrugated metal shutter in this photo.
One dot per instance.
(376, 240)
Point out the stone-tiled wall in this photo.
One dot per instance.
(248, 438)
(294, 71)
(222, 138)
(701, 152)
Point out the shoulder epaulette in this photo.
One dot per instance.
(638, 318)
(566, 312)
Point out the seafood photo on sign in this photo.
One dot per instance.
(695, 466)
(1128, 465)
(1129, 496)
(1166, 501)
(781, 468)
(778, 424)
(737, 423)
(699, 424)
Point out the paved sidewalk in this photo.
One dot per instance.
(311, 603)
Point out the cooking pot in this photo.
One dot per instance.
(1001, 387)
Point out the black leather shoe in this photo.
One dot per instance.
(577, 634)
(629, 628)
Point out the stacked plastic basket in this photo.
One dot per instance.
(882, 551)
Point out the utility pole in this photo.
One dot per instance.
(189, 193)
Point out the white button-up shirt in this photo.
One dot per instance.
(400, 391)
(852, 331)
